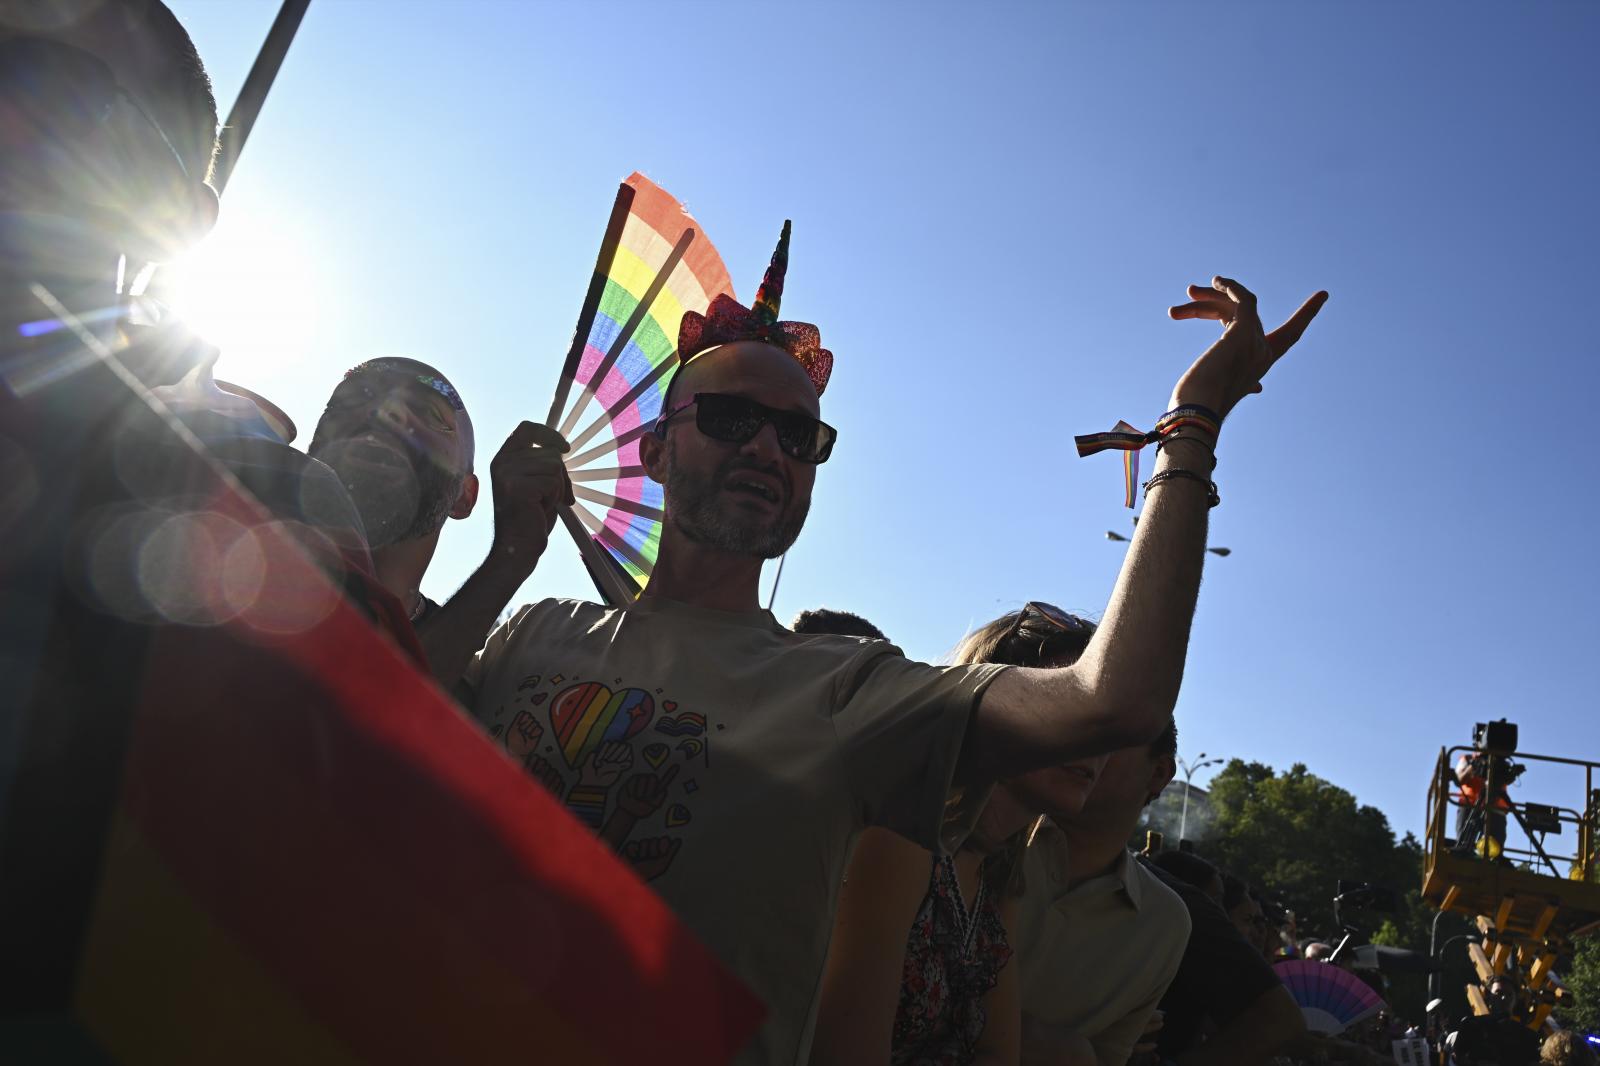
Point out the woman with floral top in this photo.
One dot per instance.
(942, 994)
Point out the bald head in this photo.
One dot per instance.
(726, 367)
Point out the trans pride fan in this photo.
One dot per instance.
(733, 762)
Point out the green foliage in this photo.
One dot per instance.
(1582, 979)
(1294, 836)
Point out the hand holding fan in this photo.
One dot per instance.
(654, 265)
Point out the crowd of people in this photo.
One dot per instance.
(905, 862)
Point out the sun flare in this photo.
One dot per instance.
(250, 288)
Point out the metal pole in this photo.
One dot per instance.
(256, 86)
(1433, 954)
(1183, 820)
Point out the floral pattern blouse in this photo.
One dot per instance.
(953, 958)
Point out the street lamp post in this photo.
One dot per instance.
(1188, 776)
(1436, 953)
(1223, 552)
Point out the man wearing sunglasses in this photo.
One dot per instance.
(733, 762)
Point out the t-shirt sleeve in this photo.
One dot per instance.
(466, 690)
(900, 725)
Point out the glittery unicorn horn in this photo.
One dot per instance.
(770, 295)
(727, 321)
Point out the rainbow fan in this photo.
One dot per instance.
(1331, 998)
(654, 265)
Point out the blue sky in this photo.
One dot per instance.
(993, 205)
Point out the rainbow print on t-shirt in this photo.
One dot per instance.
(587, 714)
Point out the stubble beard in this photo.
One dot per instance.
(408, 506)
(698, 513)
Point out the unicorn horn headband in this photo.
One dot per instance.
(727, 321)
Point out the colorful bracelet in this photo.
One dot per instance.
(1190, 414)
(1212, 499)
(1130, 441)
(587, 804)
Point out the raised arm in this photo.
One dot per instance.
(1120, 692)
(529, 484)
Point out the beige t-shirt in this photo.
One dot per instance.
(1096, 958)
(732, 762)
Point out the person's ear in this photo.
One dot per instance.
(653, 457)
(1161, 775)
(203, 216)
(468, 498)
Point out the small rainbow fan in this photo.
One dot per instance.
(653, 266)
(1331, 998)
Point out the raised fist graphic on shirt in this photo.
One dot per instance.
(523, 736)
(547, 774)
(643, 794)
(650, 858)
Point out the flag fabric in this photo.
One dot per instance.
(309, 854)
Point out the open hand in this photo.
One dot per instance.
(605, 764)
(530, 485)
(1152, 1029)
(1233, 367)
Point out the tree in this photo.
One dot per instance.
(1582, 979)
(1294, 836)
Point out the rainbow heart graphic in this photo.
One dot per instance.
(589, 712)
(655, 755)
(677, 815)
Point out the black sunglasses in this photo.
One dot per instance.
(735, 420)
(1052, 616)
(33, 71)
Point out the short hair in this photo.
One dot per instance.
(1234, 891)
(1167, 742)
(1186, 866)
(197, 140)
(192, 128)
(839, 623)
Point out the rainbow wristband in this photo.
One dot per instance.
(1130, 441)
(587, 804)
(1190, 414)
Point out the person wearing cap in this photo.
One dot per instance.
(401, 441)
(733, 762)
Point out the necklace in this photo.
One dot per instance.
(968, 917)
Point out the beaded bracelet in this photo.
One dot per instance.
(1201, 441)
(1212, 499)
